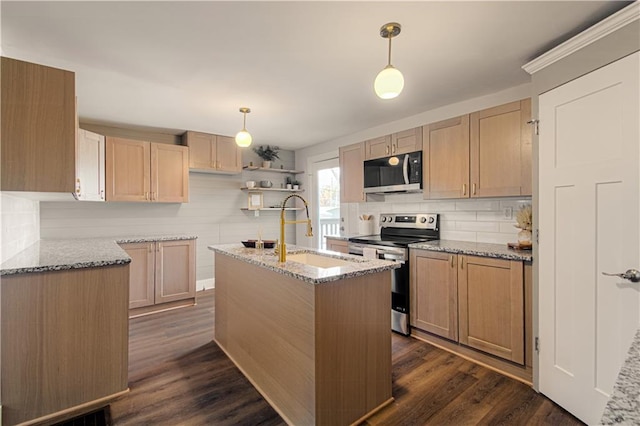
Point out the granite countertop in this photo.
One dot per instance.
(498, 251)
(357, 266)
(58, 255)
(338, 237)
(624, 405)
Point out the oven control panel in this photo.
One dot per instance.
(412, 220)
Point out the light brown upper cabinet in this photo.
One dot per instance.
(38, 120)
(500, 145)
(395, 144)
(213, 153)
(446, 159)
(352, 173)
(491, 306)
(485, 154)
(146, 171)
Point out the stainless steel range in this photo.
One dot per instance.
(396, 233)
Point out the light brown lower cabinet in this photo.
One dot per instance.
(162, 275)
(476, 301)
(491, 306)
(338, 245)
(434, 281)
(65, 341)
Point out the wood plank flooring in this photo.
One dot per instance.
(179, 376)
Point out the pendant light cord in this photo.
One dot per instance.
(389, 50)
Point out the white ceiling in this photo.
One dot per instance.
(305, 69)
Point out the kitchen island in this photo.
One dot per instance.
(314, 340)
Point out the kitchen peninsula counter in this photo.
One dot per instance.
(315, 342)
(65, 254)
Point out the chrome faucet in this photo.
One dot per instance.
(281, 248)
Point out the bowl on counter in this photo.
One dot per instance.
(266, 184)
(252, 243)
(250, 184)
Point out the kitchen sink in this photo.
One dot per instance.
(317, 260)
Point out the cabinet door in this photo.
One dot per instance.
(228, 155)
(352, 173)
(337, 245)
(378, 147)
(491, 306)
(141, 274)
(406, 141)
(434, 284)
(201, 150)
(90, 166)
(175, 270)
(500, 138)
(169, 173)
(38, 120)
(127, 170)
(446, 159)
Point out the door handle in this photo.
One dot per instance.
(632, 275)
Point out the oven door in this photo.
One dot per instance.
(399, 282)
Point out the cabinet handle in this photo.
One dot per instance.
(102, 194)
(464, 189)
(461, 262)
(153, 196)
(393, 149)
(474, 189)
(452, 261)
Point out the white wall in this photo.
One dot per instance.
(20, 223)
(467, 220)
(213, 214)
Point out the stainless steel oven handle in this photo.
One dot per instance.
(393, 256)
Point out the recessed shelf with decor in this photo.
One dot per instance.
(271, 169)
(259, 189)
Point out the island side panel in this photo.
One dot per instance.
(353, 347)
(65, 341)
(264, 322)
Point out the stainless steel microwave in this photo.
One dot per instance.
(398, 173)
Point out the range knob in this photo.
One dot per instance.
(432, 219)
(423, 219)
(383, 219)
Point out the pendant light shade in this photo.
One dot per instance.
(243, 138)
(389, 82)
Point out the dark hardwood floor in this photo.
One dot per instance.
(179, 376)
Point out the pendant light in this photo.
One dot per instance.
(243, 138)
(389, 82)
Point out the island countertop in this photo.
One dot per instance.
(58, 255)
(357, 266)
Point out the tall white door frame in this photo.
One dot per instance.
(589, 222)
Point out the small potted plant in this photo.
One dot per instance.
(525, 223)
(296, 184)
(268, 154)
(289, 182)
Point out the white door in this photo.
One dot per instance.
(90, 166)
(325, 200)
(589, 224)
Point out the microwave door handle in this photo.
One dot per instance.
(405, 169)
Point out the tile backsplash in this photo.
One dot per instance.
(20, 218)
(480, 220)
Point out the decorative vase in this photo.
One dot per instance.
(524, 236)
(296, 187)
(266, 164)
(288, 186)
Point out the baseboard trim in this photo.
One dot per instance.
(207, 284)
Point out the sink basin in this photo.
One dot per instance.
(317, 260)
